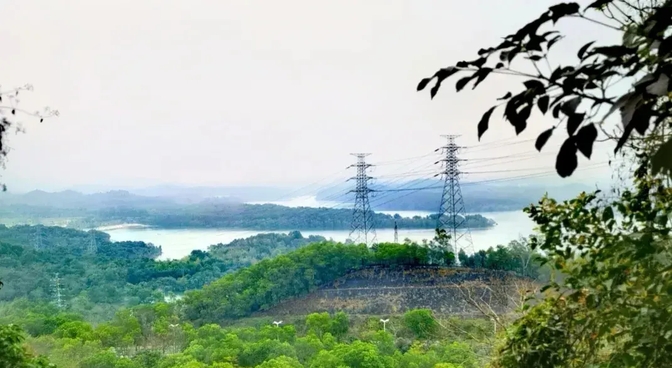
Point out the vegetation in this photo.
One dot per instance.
(223, 216)
(151, 336)
(643, 59)
(119, 273)
(268, 217)
(612, 308)
(161, 334)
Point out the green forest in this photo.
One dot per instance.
(120, 307)
(223, 216)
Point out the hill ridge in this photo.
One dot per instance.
(384, 290)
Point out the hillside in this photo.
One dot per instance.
(381, 290)
(478, 197)
(82, 211)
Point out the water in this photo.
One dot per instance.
(177, 243)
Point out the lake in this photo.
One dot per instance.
(177, 243)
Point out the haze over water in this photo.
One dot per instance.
(177, 243)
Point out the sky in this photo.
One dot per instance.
(219, 92)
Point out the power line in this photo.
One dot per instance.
(362, 216)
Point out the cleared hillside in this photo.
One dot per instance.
(381, 290)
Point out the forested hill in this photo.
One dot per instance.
(272, 217)
(214, 214)
(117, 274)
(265, 284)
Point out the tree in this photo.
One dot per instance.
(9, 101)
(613, 306)
(12, 352)
(421, 322)
(581, 95)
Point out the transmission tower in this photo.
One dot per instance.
(396, 234)
(92, 248)
(37, 241)
(362, 216)
(452, 214)
(58, 297)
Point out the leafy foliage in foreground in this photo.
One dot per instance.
(614, 305)
(12, 352)
(578, 95)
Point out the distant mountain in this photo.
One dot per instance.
(197, 194)
(74, 200)
(478, 197)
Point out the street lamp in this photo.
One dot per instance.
(384, 321)
(277, 323)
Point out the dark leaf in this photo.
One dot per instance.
(486, 51)
(661, 161)
(553, 41)
(533, 84)
(480, 62)
(543, 138)
(598, 4)
(499, 65)
(445, 73)
(569, 107)
(536, 57)
(503, 55)
(534, 44)
(482, 74)
(41, 120)
(564, 9)
(542, 102)
(507, 95)
(641, 125)
(434, 90)
(566, 162)
(613, 51)
(512, 54)
(548, 33)
(520, 126)
(462, 82)
(13, 112)
(423, 83)
(583, 49)
(462, 64)
(483, 124)
(665, 47)
(573, 122)
(556, 111)
(585, 139)
(525, 112)
(607, 214)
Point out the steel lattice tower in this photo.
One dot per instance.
(58, 297)
(92, 248)
(38, 238)
(362, 216)
(452, 213)
(396, 234)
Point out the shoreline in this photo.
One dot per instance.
(121, 226)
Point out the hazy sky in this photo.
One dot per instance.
(253, 92)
